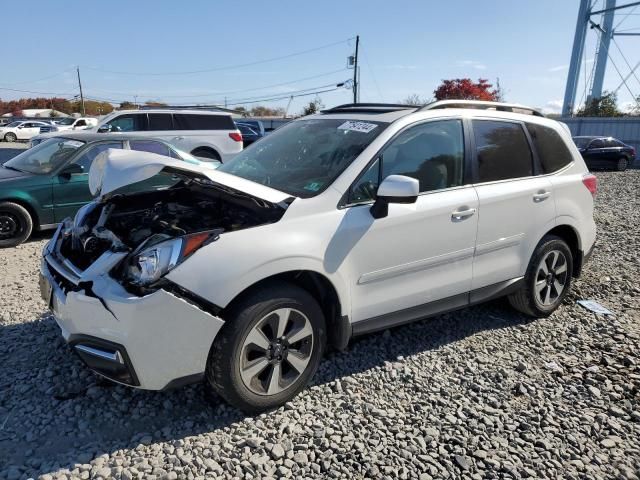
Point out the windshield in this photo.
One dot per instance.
(14, 124)
(66, 121)
(582, 142)
(303, 158)
(46, 156)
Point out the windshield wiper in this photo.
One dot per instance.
(12, 168)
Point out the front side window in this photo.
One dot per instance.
(304, 157)
(597, 143)
(150, 146)
(432, 153)
(502, 150)
(552, 150)
(81, 123)
(127, 123)
(91, 153)
(46, 156)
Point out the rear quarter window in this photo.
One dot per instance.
(185, 121)
(552, 151)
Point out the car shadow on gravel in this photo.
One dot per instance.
(55, 413)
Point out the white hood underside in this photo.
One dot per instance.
(116, 168)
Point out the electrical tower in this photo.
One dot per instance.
(606, 33)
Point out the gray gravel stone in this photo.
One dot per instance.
(477, 393)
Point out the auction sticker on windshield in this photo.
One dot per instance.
(362, 127)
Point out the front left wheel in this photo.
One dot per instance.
(269, 348)
(15, 224)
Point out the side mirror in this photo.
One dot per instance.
(104, 129)
(71, 169)
(394, 189)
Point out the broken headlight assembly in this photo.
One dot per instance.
(160, 254)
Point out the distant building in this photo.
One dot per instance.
(38, 113)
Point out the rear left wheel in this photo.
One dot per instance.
(547, 280)
(269, 348)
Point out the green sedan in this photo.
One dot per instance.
(49, 182)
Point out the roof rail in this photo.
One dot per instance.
(369, 108)
(483, 105)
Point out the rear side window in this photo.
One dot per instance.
(186, 121)
(552, 150)
(160, 121)
(502, 150)
(596, 144)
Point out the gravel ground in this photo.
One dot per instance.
(480, 393)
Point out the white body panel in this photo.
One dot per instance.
(514, 216)
(25, 131)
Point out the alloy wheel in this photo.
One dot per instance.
(551, 278)
(276, 351)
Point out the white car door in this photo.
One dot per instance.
(516, 206)
(419, 253)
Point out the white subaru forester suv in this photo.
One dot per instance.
(357, 219)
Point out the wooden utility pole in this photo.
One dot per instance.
(81, 95)
(355, 72)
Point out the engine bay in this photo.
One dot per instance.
(124, 222)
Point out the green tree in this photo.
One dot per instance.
(127, 106)
(313, 107)
(605, 106)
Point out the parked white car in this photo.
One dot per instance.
(21, 130)
(354, 220)
(70, 123)
(208, 135)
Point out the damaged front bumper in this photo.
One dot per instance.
(152, 342)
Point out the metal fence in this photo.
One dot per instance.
(625, 129)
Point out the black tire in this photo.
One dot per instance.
(206, 154)
(526, 300)
(10, 137)
(15, 224)
(228, 352)
(622, 164)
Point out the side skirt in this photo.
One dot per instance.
(449, 304)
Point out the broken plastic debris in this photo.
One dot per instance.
(594, 307)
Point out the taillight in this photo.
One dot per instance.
(237, 136)
(591, 182)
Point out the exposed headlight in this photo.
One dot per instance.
(151, 263)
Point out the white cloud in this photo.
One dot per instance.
(552, 106)
(559, 68)
(471, 63)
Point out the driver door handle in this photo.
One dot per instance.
(462, 214)
(178, 138)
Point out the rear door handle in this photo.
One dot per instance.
(541, 196)
(178, 138)
(462, 214)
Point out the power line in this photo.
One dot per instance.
(227, 67)
(40, 79)
(625, 60)
(227, 92)
(37, 93)
(373, 76)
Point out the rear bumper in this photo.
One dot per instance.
(148, 342)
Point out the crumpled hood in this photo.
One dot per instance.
(115, 168)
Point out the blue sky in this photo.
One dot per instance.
(407, 47)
